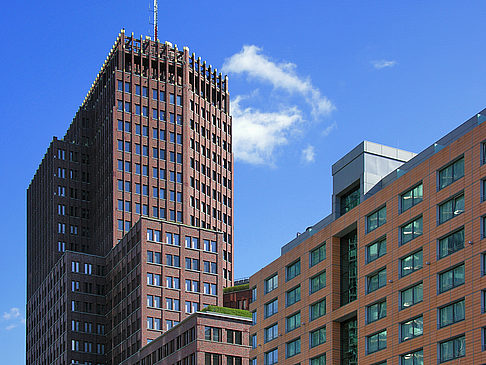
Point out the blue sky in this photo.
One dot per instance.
(309, 80)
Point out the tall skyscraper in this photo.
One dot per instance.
(130, 214)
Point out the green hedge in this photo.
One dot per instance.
(230, 311)
(236, 288)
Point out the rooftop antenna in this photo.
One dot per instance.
(156, 11)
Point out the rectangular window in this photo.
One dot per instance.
(411, 328)
(451, 313)
(271, 283)
(271, 357)
(271, 308)
(349, 200)
(376, 342)
(376, 280)
(412, 358)
(375, 250)
(292, 270)
(317, 282)
(293, 296)
(292, 347)
(411, 263)
(317, 309)
(376, 311)
(411, 230)
(292, 322)
(318, 360)
(451, 208)
(452, 349)
(317, 255)
(271, 332)
(451, 243)
(451, 173)
(411, 296)
(451, 278)
(317, 337)
(411, 197)
(376, 219)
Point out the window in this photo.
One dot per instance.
(253, 294)
(271, 308)
(376, 219)
(349, 200)
(292, 347)
(317, 255)
(271, 357)
(375, 250)
(318, 360)
(452, 349)
(451, 173)
(411, 263)
(376, 311)
(212, 334)
(451, 278)
(411, 328)
(317, 309)
(451, 208)
(254, 317)
(411, 296)
(293, 296)
(376, 342)
(412, 358)
(271, 283)
(317, 282)
(451, 313)
(317, 337)
(451, 243)
(271, 333)
(411, 197)
(253, 341)
(376, 280)
(292, 322)
(292, 270)
(411, 230)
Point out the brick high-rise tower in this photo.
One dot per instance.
(130, 214)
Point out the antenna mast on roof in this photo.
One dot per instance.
(156, 11)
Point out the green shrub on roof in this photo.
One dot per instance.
(229, 311)
(236, 288)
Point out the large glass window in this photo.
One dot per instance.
(317, 282)
(292, 270)
(375, 250)
(451, 173)
(271, 357)
(317, 255)
(317, 337)
(376, 280)
(411, 197)
(293, 296)
(293, 347)
(271, 332)
(349, 200)
(411, 263)
(452, 349)
(376, 219)
(318, 360)
(451, 243)
(376, 311)
(317, 309)
(451, 278)
(411, 296)
(411, 230)
(271, 283)
(412, 358)
(451, 313)
(271, 308)
(292, 322)
(412, 328)
(376, 342)
(451, 208)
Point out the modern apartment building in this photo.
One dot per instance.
(395, 274)
(129, 226)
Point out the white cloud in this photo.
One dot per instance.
(11, 314)
(10, 327)
(309, 154)
(251, 61)
(257, 133)
(379, 64)
(329, 129)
